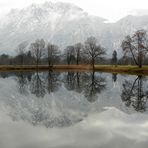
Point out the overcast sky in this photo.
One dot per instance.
(109, 9)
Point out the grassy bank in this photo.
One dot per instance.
(44, 67)
(103, 68)
(129, 69)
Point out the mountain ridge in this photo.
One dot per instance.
(64, 24)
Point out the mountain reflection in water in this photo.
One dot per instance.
(55, 99)
(73, 109)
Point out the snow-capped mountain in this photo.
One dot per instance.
(63, 24)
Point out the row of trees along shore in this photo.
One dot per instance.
(135, 49)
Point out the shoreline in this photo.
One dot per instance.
(125, 69)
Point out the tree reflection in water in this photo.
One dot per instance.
(70, 81)
(94, 84)
(53, 82)
(90, 84)
(133, 94)
(74, 81)
(21, 79)
(37, 85)
(114, 77)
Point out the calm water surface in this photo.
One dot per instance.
(73, 110)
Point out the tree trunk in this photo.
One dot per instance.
(93, 63)
(140, 60)
(49, 63)
(49, 59)
(77, 61)
(37, 62)
(78, 57)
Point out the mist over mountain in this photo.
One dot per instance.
(64, 24)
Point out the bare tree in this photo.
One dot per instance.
(29, 59)
(136, 46)
(70, 54)
(78, 48)
(21, 49)
(38, 50)
(93, 51)
(52, 53)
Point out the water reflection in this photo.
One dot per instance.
(82, 104)
(90, 84)
(114, 77)
(94, 84)
(70, 81)
(134, 94)
(37, 85)
(53, 82)
(62, 99)
(74, 81)
(22, 82)
(53, 99)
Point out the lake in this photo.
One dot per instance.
(73, 110)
